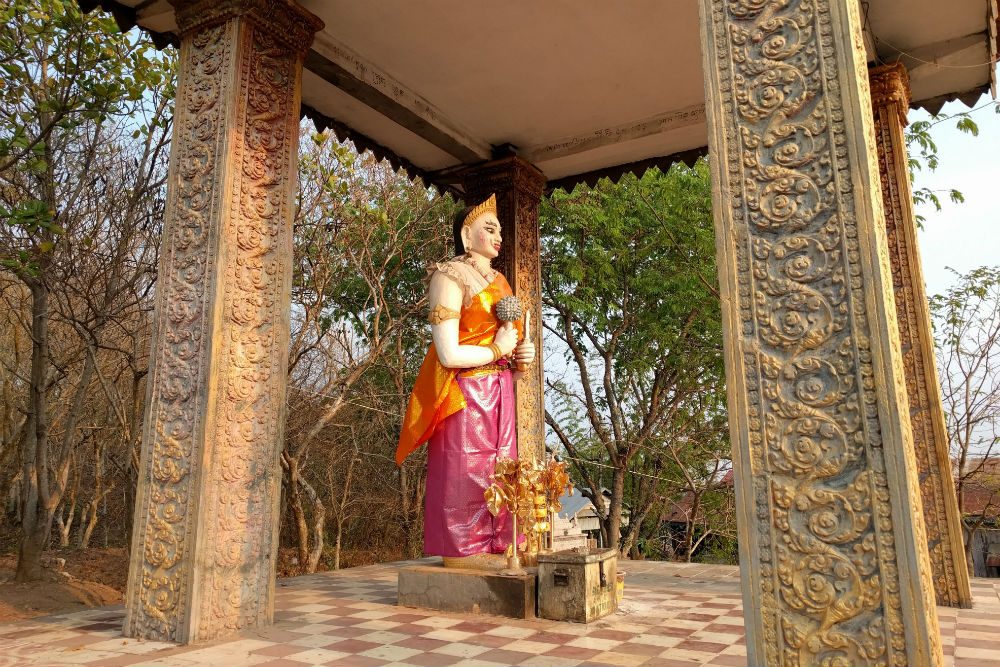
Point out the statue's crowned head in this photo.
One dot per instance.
(477, 229)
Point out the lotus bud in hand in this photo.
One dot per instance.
(508, 309)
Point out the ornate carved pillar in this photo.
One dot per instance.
(890, 89)
(519, 186)
(832, 542)
(206, 518)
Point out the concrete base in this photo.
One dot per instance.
(467, 591)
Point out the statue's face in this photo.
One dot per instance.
(483, 235)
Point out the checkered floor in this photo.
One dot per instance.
(674, 615)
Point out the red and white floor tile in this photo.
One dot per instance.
(674, 615)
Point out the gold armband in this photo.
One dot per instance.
(441, 313)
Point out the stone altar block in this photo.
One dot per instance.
(577, 585)
(467, 591)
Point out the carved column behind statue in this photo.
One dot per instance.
(890, 88)
(206, 519)
(518, 186)
(832, 544)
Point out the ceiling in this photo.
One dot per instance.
(578, 89)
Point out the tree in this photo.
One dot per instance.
(923, 153)
(629, 287)
(75, 242)
(364, 236)
(967, 331)
(706, 495)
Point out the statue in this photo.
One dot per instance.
(462, 404)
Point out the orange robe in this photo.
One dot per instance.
(436, 395)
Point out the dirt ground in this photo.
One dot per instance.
(90, 578)
(97, 577)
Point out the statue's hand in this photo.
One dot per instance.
(506, 338)
(524, 353)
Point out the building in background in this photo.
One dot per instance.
(578, 521)
(980, 501)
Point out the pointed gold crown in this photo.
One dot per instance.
(488, 206)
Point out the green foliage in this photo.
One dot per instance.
(629, 283)
(967, 333)
(65, 74)
(964, 303)
(721, 551)
(923, 154)
(635, 263)
(364, 238)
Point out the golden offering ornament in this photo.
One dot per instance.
(530, 491)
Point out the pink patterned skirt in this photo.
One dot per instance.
(460, 459)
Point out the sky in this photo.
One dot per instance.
(967, 235)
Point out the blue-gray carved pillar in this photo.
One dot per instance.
(832, 544)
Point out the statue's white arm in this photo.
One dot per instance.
(446, 292)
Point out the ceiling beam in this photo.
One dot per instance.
(659, 124)
(345, 70)
(639, 167)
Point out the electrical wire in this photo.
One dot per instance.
(347, 401)
(929, 62)
(605, 465)
(867, 25)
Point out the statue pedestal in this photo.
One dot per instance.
(467, 591)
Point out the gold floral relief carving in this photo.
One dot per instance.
(890, 87)
(158, 583)
(202, 559)
(531, 401)
(890, 99)
(286, 21)
(827, 526)
(243, 483)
